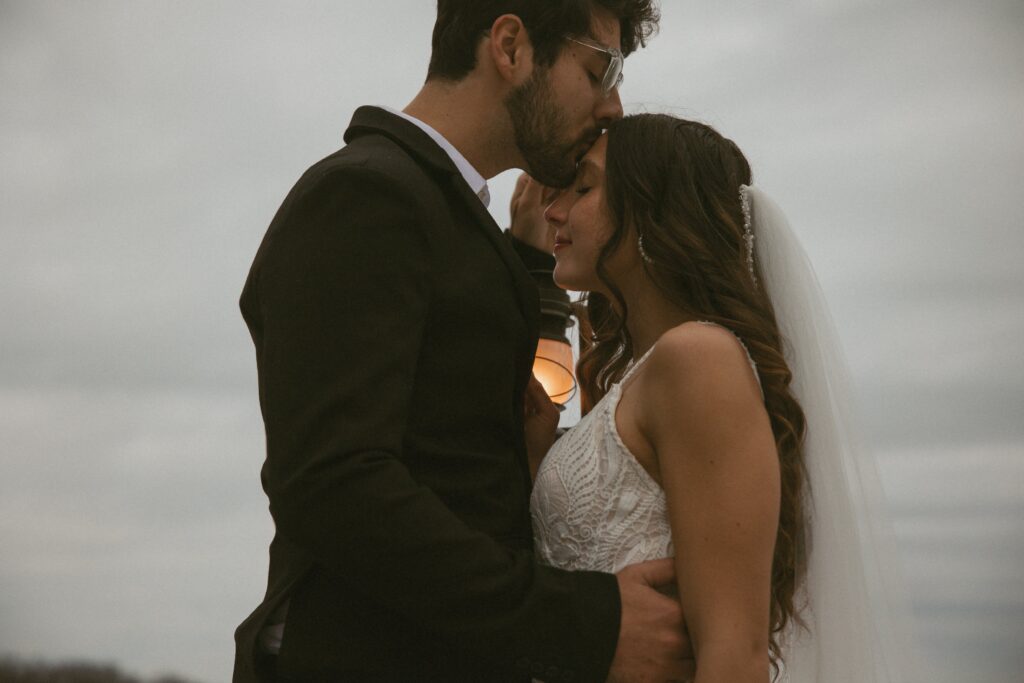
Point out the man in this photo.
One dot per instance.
(394, 328)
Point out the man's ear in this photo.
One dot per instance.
(510, 49)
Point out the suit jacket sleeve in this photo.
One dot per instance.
(533, 258)
(341, 293)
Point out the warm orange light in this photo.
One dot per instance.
(553, 368)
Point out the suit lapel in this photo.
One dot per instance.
(420, 145)
(526, 289)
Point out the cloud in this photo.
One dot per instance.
(134, 526)
(957, 513)
(891, 142)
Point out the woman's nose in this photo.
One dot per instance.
(555, 214)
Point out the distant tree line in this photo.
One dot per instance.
(18, 671)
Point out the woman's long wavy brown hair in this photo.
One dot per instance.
(677, 183)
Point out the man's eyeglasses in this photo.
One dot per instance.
(612, 78)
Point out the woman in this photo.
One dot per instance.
(695, 442)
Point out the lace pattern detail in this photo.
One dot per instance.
(594, 506)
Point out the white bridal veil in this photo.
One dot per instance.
(854, 605)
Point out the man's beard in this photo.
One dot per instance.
(540, 132)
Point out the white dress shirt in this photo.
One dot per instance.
(476, 182)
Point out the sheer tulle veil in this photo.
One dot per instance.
(854, 605)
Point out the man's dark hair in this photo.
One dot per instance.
(461, 24)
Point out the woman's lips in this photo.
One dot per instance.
(561, 242)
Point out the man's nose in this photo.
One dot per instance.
(609, 109)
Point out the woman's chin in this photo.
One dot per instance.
(563, 279)
(572, 281)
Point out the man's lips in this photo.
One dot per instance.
(586, 143)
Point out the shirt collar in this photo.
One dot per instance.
(476, 182)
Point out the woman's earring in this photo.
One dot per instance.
(643, 253)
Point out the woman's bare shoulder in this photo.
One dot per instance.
(702, 348)
(699, 361)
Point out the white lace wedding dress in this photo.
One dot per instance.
(594, 506)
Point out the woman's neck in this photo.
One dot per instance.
(650, 316)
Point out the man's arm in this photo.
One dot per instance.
(343, 289)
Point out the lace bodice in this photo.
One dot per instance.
(594, 506)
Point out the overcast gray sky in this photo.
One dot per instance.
(144, 147)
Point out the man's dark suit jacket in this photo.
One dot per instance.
(395, 328)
